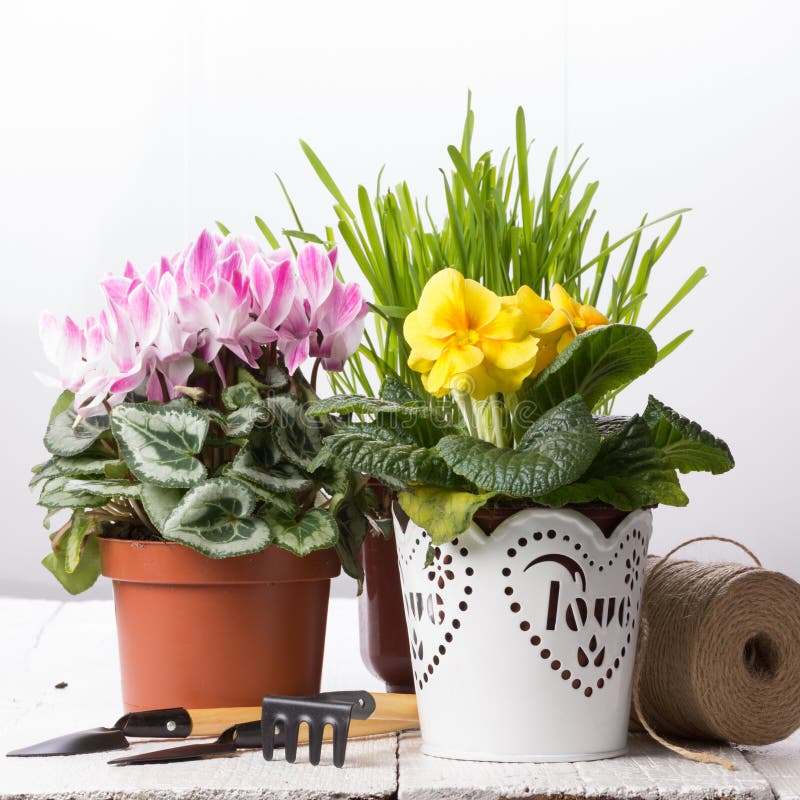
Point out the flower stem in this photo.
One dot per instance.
(499, 434)
(464, 403)
(314, 371)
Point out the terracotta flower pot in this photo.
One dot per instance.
(203, 633)
(381, 619)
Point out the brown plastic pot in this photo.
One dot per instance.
(382, 623)
(198, 632)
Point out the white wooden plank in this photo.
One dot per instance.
(648, 772)
(22, 623)
(780, 765)
(369, 771)
(75, 642)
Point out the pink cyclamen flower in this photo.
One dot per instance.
(218, 292)
(326, 320)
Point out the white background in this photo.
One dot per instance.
(126, 128)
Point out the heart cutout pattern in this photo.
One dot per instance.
(592, 623)
(438, 610)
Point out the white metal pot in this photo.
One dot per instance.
(523, 640)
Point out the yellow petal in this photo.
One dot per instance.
(545, 356)
(441, 392)
(509, 323)
(475, 383)
(416, 334)
(535, 308)
(506, 380)
(556, 322)
(561, 299)
(441, 304)
(567, 338)
(481, 304)
(419, 364)
(452, 361)
(510, 354)
(592, 317)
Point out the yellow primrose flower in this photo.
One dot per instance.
(463, 336)
(581, 318)
(554, 322)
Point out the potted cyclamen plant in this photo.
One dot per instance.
(522, 520)
(181, 449)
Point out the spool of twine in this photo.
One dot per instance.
(719, 653)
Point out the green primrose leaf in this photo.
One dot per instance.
(555, 450)
(443, 513)
(685, 445)
(629, 472)
(594, 364)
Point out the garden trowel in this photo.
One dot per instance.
(367, 715)
(165, 723)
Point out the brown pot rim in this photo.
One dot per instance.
(137, 561)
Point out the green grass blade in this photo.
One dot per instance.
(672, 346)
(267, 233)
(325, 177)
(687, 287)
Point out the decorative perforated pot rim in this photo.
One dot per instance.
(523, 639)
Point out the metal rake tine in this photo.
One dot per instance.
(339, 742)
(315, 735)
(292, 730)
(269, 729)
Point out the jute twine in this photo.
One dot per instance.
(719, 653)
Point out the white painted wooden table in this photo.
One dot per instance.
(43, 643)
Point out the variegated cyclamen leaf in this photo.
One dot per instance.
(215, 519)
(68, 435)
(65, 492)
(88, 467)
(106, 487)
(42, 472)
(240, 394)
(80, 467)
(159, 443)
(85, 572)
(274, 379)
(159, 502)
(284, 503)
(73, 541)
(64, 401)
(298, 436)
(276, 478)
(241, 422)
(317, 530)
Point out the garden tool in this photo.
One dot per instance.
(343, 713)
(165, 723)
(385, 713)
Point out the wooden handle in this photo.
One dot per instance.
(393, 712)
(212, 721)
(361, 727)
(395, 707)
